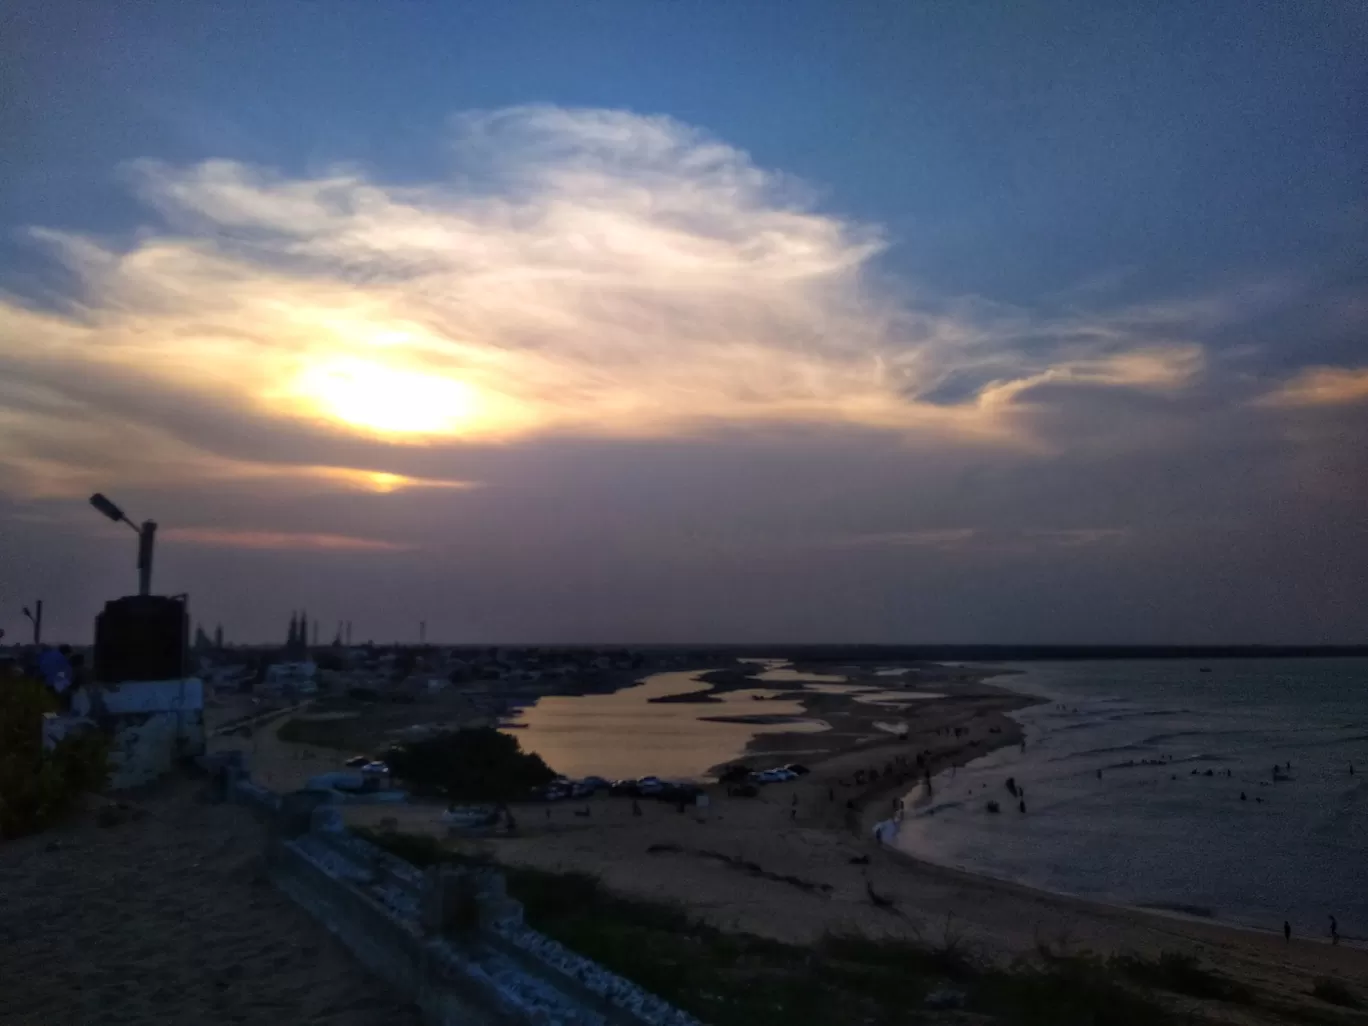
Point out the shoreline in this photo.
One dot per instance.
(801, 865)
(869, 817)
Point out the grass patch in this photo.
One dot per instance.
(737, 979)
(1335, 992)
(1080, 990)
(1180, 973)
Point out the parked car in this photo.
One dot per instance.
(624, 788)
(676, 792)
(375, 767)
(595, 783)
(773, 776)
(798, 768)
(357, 761)
(650, 785)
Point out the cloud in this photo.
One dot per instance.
(1322, 386)
(587, 273)
(1080, 535)
(993, 539)
(279, 540)
(1158, 369)
(935, 538)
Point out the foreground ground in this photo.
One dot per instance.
(167, 918)
(763, 906)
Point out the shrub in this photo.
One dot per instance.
(469, 765)
(38, 785)
(1067, 990)
(1335, 992)
(739, 979)
(1180, 973)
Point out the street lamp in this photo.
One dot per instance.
(36, 620)
(146, 533)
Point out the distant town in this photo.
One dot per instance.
(487, 683)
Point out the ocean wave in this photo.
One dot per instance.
(1086, 725)
(1347, 809)
(1089, 752)
(1174, 735)
(1181, 761)
(931, 810)
(1135, 714)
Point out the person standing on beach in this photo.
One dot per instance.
(1287, 931)
(1334, 930)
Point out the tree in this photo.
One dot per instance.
(38, 785)
(478, 764)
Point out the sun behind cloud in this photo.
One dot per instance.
(388, 401)
(609, 275)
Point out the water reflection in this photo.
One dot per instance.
(625, 735)
(790, 675)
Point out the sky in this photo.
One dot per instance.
(689, 321)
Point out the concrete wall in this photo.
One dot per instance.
(450, 938)
(154, 725)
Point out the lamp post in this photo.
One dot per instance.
(146, 532)
(36, 618)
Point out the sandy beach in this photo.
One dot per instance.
(166, 916)
(169, 915)
(798, 862)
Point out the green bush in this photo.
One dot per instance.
(1180, 973)
(37, 785)
(1066, 990)
(479, 765)
(1334, 992)
(730, 978)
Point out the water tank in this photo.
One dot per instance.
(142, 637)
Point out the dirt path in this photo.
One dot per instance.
(168, 919)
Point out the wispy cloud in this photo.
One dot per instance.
(592, 273)
(280, 540)
(996, 539)
(1075, 536)
(1322, 386)
(934, 538)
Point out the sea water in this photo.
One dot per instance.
(1154, 829)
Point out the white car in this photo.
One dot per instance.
(773, 776)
